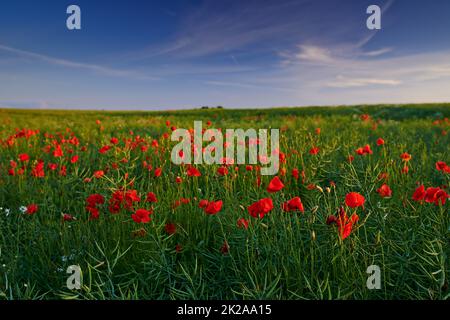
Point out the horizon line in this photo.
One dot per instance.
(206, 108)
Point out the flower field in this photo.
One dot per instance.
(357, 186)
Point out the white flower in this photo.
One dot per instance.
(23, 209)
(7, 211)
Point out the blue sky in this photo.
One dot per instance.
(175, 54)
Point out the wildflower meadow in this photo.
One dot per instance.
(358, 188)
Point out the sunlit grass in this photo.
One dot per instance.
(285, 255)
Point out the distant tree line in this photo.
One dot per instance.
(207, 107)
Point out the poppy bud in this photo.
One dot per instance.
(331, 219)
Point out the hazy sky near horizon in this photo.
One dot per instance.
(177, 54)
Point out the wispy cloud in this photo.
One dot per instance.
(343, 53)
(79, 65)
(376, 53)
(314, 54)
(223, 27)
(343, 82)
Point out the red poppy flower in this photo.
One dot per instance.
(223, 171)
(367, 149)
(405, 156)
(151, 197)
(345, 224)
(441, 197)
(131, 196)
(436, 196)
(63, 171)
(419, 193)
(293, 204)
(95, 199)
(430, 194)
(158, 172)
(440, 165)
(384, 191)
(213, 207)
(170, 228)
(193, 172)
(38, 170)
(58, 152)
(203, 203)
(258, 181)
(121, 199)
(380, 142)
(32, 209)
(68, 217)
(144, 148)
(225, 248)
(74, 159)
(104, 149)
(142, 216)
(331, 219)
(114, 140)
(364, 150)
(405, 169)
(314, 150)
(98, 174)
(354, 200)
(275, 185)
(242, 223)
(260, 208)
(24, 157)
(95, 213)
(295, 173)
(178, 180)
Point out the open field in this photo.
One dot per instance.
(85, 177)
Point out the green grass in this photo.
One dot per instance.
(282, 256)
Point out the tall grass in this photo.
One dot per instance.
(282, 256)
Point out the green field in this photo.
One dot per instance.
(185, 253)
